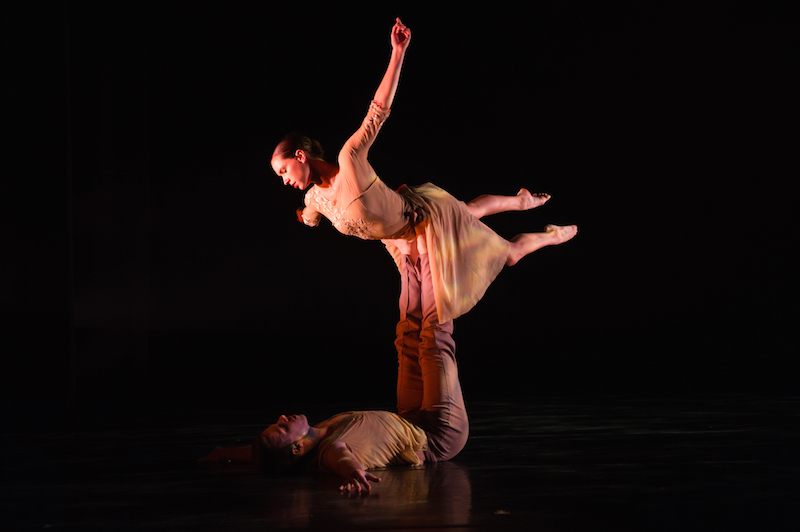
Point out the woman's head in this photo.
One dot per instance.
(292, 157)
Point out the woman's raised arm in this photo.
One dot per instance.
(400, 37)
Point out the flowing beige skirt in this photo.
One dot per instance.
(465, 255)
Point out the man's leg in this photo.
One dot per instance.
(442, 414)
(407, 341)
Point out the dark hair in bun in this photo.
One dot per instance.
(295, 141)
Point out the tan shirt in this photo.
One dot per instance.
(376, 438)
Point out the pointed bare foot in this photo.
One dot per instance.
(531, 201)
(527, 243)
(561, 233)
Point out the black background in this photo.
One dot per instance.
(152, 261)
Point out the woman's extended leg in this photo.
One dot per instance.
(491, 204)
(526, 243)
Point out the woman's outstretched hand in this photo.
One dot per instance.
(401, 36)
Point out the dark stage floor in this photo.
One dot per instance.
(721, 463)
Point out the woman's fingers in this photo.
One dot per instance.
(400, 31)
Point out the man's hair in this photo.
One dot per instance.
(267, 458)
(272, 460)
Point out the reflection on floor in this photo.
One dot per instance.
(724, 463)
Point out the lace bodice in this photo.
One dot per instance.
(338, 216)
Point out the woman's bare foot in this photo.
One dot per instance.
(487, 204)
(526, 243)
(531, 201)
(561, 233)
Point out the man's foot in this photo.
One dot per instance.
(531, 201)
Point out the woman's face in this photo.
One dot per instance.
(294, 171)
(287, 429)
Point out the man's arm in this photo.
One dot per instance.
(229, 454)
(344, 463)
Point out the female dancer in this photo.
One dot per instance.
(461, 254)
(447, 258)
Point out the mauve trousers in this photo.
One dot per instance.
(428, 389)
